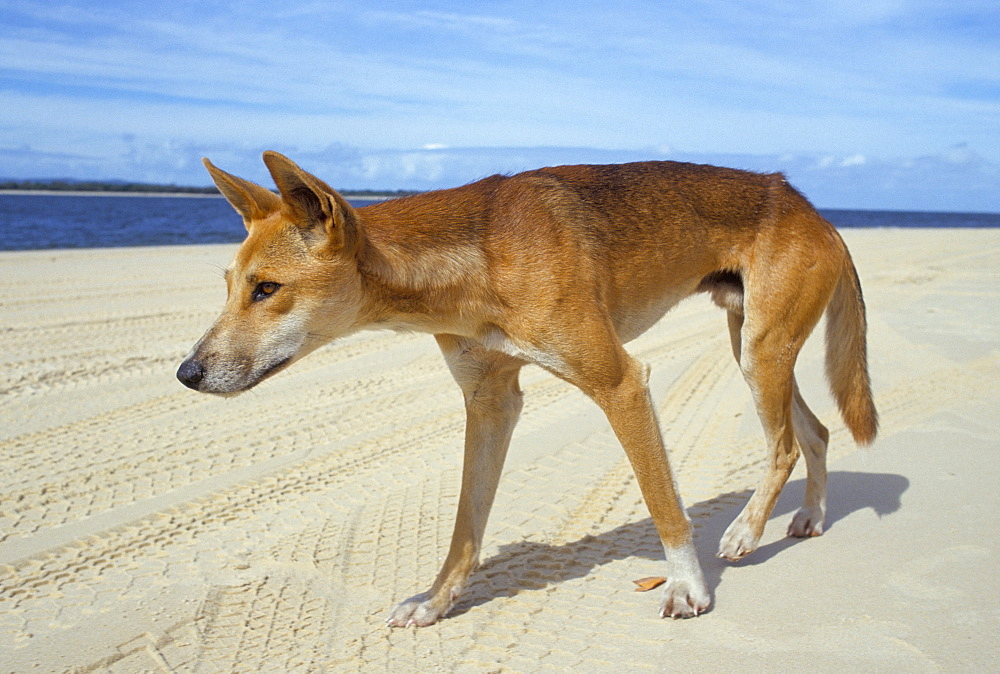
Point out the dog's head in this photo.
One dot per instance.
(292, 286)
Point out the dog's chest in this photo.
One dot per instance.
(496, 340)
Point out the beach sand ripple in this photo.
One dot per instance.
(147, 528)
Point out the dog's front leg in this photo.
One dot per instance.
(492, 403)
(619, 387)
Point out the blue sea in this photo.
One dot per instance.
(46, 221)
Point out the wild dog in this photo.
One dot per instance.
(558, 267)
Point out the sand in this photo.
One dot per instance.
(144, 527)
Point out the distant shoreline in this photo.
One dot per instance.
(88, 188)
(374, 196)
(197, 195)
(98, 193)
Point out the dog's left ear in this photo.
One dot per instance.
(325, 218)
(249, 199)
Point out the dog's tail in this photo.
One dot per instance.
(847, 356)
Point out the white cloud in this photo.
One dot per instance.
(885, 78)
(962, 154)
(955, 179)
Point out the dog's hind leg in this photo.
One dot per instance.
(766, 341)
(489, 382)
(813, 438)
(770, 381)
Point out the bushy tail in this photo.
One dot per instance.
(847, 356)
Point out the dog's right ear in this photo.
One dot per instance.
(250, 200)
(325, 219)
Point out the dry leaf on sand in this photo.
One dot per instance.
(649, 583)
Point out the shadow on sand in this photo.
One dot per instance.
(528, 565)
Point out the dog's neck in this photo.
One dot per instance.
(413, 269)
(421, 286)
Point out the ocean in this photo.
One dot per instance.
(46, 221)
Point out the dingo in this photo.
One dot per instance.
(559, 267)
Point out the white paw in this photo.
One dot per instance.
(738, 541)
(808, 521)
(418, 611)
(685, 594)
(680, 600)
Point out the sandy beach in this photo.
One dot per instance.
(144, 527)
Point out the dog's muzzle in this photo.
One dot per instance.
(190, 373)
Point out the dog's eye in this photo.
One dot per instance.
(264, 289)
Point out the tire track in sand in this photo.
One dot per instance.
(548, 392)
(110, 470)
(542, 559)
(364, 551)
(271, 594)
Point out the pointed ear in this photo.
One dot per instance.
(249, 199)
(324, 217)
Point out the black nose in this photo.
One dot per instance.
(191, 373)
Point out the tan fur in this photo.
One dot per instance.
(559, 267)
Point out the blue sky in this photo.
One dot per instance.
(874, 104)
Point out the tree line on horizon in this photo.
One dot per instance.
(150, 188)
